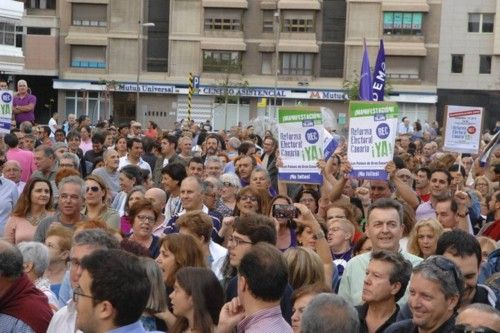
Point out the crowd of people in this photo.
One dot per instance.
(122, 229)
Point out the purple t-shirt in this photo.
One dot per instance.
(25, 116)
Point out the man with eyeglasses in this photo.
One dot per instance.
(248, 231)
(71, 194)
(112, 293)
(84, 243)
(478, 318)
(436, 288)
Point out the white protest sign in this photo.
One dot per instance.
(463, 129)
(6, 98)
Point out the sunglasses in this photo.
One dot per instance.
(468, 329)
(93, 188)
(446, 265)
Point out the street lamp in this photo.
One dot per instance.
(276, 27)
(140, 25)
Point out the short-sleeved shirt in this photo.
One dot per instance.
(43, 226)
(23, 101)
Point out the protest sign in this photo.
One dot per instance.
(372, 132)
(6, 98)
(300, 138)
(463, 129)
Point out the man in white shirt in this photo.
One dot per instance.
(134, 152)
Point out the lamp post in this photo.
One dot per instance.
(276, 28)
(140, 25)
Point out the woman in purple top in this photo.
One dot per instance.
(23, 104)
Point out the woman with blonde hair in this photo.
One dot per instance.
(483, 185)
(423, 238)
(305, 267)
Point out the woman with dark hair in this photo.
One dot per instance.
(85, 139)
(197, 300)
(309, 198)
(34, 204)
(177, 251)
(130, 176)
(96, 207)
(121, 146)
(143, 217)
(287, 237)
(137, 193)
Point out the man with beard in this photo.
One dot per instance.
(422, 184)
(244, 167)
(212, 146)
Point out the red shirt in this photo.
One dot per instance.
(493, 231)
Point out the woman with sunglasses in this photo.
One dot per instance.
(96, 198)
(143, 217)
(34, 204)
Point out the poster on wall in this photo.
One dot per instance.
(6, 98)
(372, 133)
(300, 138)
(463, 129)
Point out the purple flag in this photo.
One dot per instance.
(379, 75)
(365, 79)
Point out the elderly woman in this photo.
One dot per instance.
(96, 195)
(130, 176)
(34, 204)
(231, 184)
(143, 217)
(36, 259)
(58, 241)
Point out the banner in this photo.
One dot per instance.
(365, 78)
(300, 138)
(463, 129)
(6, 97)
(378, 85)
(372, 132)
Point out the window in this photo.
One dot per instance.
(83, 56)
(481, 22)
(267, 63)
(40, 4)
(297, 63)
(89, 15)
(90, 103)
(457, 63)
(219, 23)
(267, 21)
(19, 36)
(221, 61)
(7, 33)
(403, 67)
(38, 31)
(298, 22)
(484, 64)
(403, 23)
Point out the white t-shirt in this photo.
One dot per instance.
(53, 127)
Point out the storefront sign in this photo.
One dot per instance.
(372, 132)
(463, 129)
(300, 137)
(145, 88)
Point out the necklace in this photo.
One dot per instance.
(34, 220)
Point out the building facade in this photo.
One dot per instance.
(469, 59)
(132, 59)
(11, 54)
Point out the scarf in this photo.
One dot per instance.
(28, 304)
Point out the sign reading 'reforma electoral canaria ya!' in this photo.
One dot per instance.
(463, 129)
(372, 132)
(300, 137)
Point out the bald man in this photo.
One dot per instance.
(159, 199)
(12, 171)
(479, 317)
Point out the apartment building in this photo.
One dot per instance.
(469, 58)
(410, 30)
(131, 59)
(11, 55)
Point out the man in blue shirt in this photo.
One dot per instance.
(8, 198)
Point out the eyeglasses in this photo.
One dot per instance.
(446, 265)
(306, 200)
(144, 218)
(93, 188)
(77, 292)
(236, 241)
(468, 329)
(248, 197)
(227, 184)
